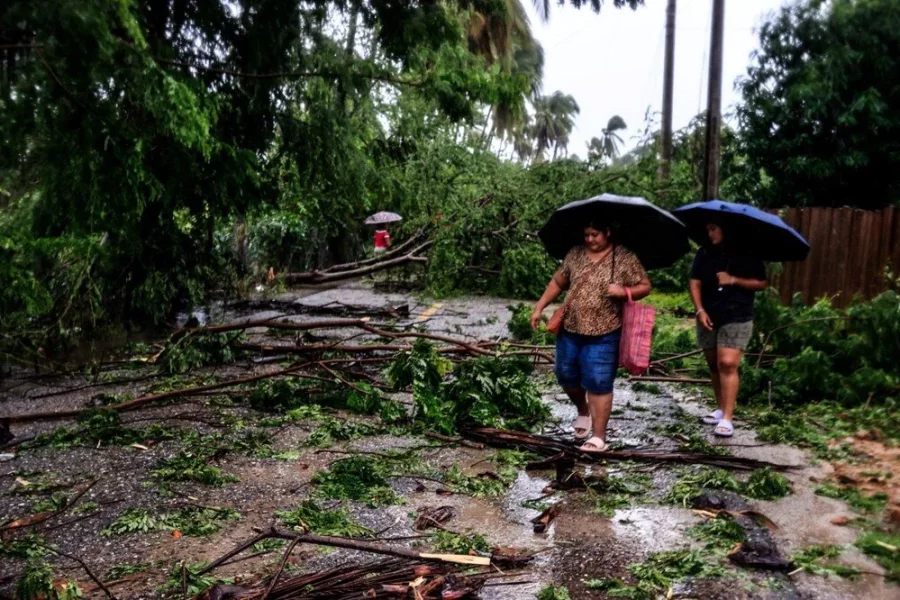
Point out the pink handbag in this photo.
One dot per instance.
(637, 336)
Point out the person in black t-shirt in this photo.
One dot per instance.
(723, 282)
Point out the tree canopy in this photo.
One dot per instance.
(821, 109)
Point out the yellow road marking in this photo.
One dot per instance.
(430, 311)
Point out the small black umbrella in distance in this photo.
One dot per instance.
(653, 234)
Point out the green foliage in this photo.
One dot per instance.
(269, 545)
(360, 478)
(119, 571)
(514, 458)
(254, 443)
(553, 592)
(421, 366)
(873, 503)
(191, 521)
(483, 391)
(312, 518)
(170, 167)
(496, 392)
(664, 568)
(195, 351)
(653, 389)
(374, 403)
(199, 521)
(519, 326)
(456, 543)
(690, 437)
(811, 559)
(672, 336)
(525, 271)
(658, 574)
(691, 484)
(186, 466)
(720, 533)
(101, 426)
(606, 505)
(278, 394)
(28, 547)
(847, 356)
(884, 548)
(484, 484)
(817, 116)
(331, 430)
(133, 520)
(766, 484)
(37, 583)
(613, 492)
(55, 502)
(186, 577)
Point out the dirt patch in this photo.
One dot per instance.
(875, 469)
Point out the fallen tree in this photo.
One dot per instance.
(352, 270)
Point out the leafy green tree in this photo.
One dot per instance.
(821, 112)
(136, 132)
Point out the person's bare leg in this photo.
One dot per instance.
(578, 398)
(729, 360)
(712, 359)
(601, 407)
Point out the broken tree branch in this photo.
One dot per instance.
(350, 544)
(396, 250)
(548, 446)
(315, 277)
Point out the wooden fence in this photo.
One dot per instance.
(850, 251)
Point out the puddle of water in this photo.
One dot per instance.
(656, 527)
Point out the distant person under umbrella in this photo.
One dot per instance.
(735, 239)
(382, 237)
(587, 349)
(382, 240)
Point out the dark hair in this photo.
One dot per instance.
(601, 226)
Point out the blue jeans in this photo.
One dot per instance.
(588, 362)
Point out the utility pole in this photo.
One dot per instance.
(714, 104)
(665, 141)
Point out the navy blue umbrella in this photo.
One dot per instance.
(653, 234)
(763, 234)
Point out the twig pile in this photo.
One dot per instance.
(393, 578)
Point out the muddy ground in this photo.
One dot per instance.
(579, 546)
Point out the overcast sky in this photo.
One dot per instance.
(612, 63)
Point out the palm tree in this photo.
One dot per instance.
(510, 113)
(543, 6)
(609, 144)
(498, 33)
(553, 122)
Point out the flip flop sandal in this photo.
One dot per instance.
(596, 445)
(582, 422)
(724, 428)
(713, 418)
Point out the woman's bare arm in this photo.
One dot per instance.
(556, 286)
(695, 286)
(639, 291)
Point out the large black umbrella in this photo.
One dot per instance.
(764, 235)
(653, 234)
